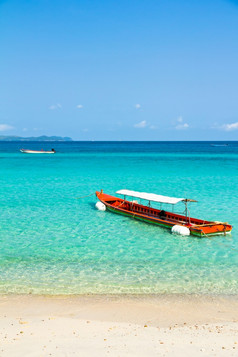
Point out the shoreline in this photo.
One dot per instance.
(93, 325)
(163, 309)
(143, 297)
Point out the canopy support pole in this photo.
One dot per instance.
(187, 212)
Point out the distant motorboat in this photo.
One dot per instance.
(25, 151)
(219, 144)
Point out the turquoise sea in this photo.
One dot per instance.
(53, 243)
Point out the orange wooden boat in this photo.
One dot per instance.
(182, 224)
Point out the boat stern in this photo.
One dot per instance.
(211, 229)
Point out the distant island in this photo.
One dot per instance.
(33, 138)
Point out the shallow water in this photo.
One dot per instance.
(53, 243)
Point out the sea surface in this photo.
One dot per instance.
(54, 242)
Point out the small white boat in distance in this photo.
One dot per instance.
(25, 151)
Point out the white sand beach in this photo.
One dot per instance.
(118, 326)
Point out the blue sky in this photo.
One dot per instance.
(119, 70)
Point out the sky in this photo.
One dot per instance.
(119, 70)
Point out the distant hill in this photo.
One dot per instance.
(32, 138)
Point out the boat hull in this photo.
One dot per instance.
(150, 215)
(36, 152)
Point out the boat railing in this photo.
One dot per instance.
(155, 213)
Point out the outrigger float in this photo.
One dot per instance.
(180, 224)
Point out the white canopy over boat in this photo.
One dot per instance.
(153, 197)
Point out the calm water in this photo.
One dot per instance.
(53, 243)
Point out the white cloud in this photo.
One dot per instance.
(55, 106)
(5, 127)
(24, 129)
(141, 124)
(153, 127)
(230, 127)
(181, 125)
(137, 106)
(79, 106)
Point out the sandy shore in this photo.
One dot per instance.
(118, 326)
